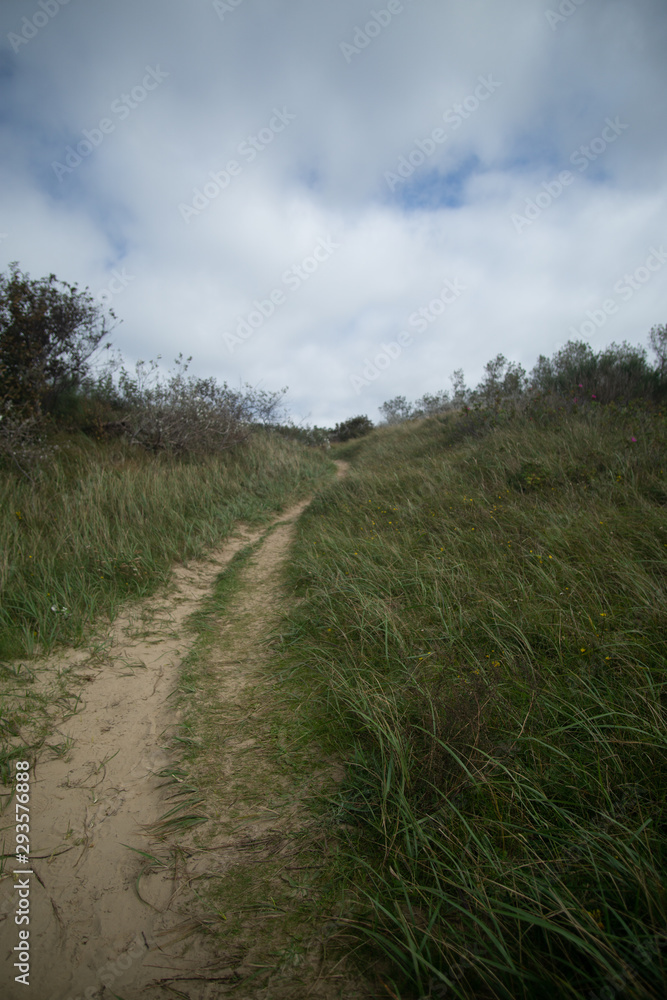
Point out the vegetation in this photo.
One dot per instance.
(180, 413)
(480, 637)
(575, 375)
(314, 437)
(48, 336)
(111, 475)
(51, 380)
(479, 634)
(267, 887)
(109, 520)
(355, 427)
(322, 437)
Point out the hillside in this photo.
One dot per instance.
(465, 638)
(480, 635)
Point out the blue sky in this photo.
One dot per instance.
(229, 178)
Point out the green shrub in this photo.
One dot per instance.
(355, 427)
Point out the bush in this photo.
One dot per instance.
(431, 404)
(503, 380)
(396, 410)
(355, 427)
(183, 413)
(619, 373)
(574, 377)
(48, 336)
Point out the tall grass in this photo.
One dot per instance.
(481, 636)
(106, 521)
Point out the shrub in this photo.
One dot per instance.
(619, 373)
(432, 404)
(48, 336)
(183, 413)
(355, 427)
(502, 380)
(396, 410)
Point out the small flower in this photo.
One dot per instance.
(633, 438)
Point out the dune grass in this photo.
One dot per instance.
(480, 635)
(104, 524)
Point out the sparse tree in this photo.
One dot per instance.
(503, 379)
(574, 363)
(185, 414)
(396, 410)
(461, 391)
(432, 403)
(48, 336)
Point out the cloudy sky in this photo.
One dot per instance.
(348, 199)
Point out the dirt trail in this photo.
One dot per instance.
(106, 793)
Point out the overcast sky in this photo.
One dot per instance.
(346, 198)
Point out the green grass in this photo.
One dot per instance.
(481, 635)
(244, 760)
(106, 522)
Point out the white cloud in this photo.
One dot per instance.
(324, 176)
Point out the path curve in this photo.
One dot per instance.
(85, 913)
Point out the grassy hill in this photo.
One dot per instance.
(477, 632)
(481, 635)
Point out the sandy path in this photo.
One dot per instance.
(88, 925)
(85, 912)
